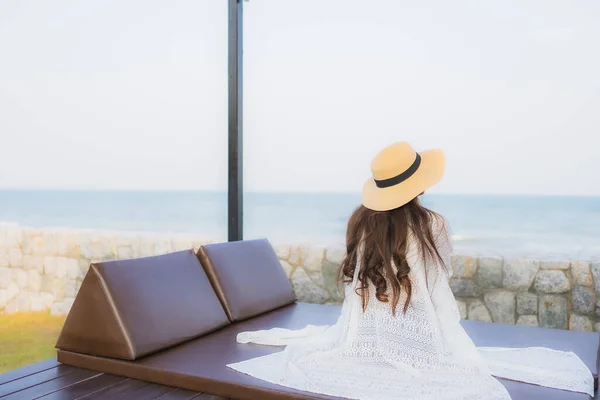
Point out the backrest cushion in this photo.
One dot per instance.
(247, 277)
(131, 308)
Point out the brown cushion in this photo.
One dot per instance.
(201, 364)
(247, 277)
(131, 308)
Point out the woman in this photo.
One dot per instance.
(398, 335)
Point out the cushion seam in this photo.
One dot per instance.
(115, 312)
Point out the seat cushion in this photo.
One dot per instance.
(201, 364)
(247, 277)
(131, 308)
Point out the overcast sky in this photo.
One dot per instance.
(131, 94)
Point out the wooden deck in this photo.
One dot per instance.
(50, 380)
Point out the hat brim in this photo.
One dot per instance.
(430, 172)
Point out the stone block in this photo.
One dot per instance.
(34, 280)
(161, 246)
(71, 288)
(3, 298)
(12, 307)
(490, 272)
(465, 287)
(464, 266)
(282, 251)
(125, 253)
(84, 266)
(502, 306)
(551, 281)
(46, 283)
(478, 312)
(14, 236)
(61, 268)
(68, 244)
(126, 239)
(580, 323)
(312, 258)
(580, 270)
(19, 276)
(12, 291)
(5, 277)
(287, 268)
(462, 309)
(553, 312)
(58, 288)
(554, 264)
(50, 265)
(295, 257)
(71, 267)
(47, 299)
(38, 243)
(583, 300)
(102, 248)
(36, 302)
(62, 308)
(15, 257)
(528, 320)
(306, 290)
(595, 270)
(4, 258)
(23, 300)
(335, 255)
(331, 283)
(142, 247)
(519, 273)
(177, 244)
(33, 262)
(527, 303)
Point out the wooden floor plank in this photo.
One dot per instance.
(28, 370)
(150, 391)
(80, 389)
(35, 379)
(178, 394)
(120, 390)
(45, 388)
(206, 396)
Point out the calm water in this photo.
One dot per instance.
(507, 225)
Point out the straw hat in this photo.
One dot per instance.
(400, 174)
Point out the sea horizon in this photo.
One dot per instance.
(540, 226)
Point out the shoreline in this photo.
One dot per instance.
(42, 270)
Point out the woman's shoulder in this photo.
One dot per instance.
(440, 230)
(439, 225)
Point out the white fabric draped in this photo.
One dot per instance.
(419, 355)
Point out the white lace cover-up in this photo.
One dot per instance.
(422, 354)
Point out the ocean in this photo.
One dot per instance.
(549, 227)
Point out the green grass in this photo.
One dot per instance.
(26, 338)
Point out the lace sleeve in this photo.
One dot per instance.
(439, 274)
(440, 271)
(443, 244)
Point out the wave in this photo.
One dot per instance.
(464, 238)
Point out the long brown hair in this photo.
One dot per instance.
(382, 238)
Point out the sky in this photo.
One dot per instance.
(132, 94)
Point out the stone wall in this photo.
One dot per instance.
(42, 269)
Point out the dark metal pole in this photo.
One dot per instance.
(235, 188)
